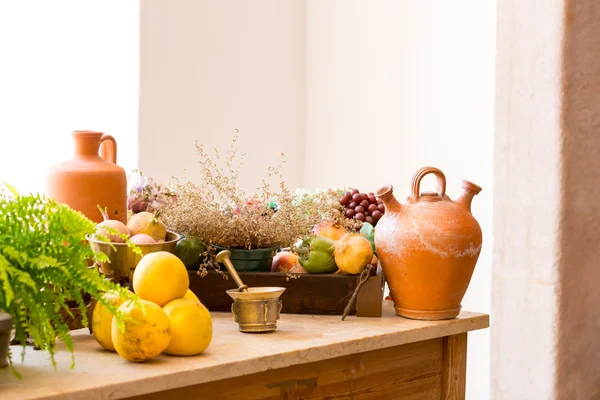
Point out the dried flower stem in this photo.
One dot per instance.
(219, 213)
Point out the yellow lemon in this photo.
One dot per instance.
(189, 295)
(146, 334)
(160, 277)
(191, 327)
(102, 319)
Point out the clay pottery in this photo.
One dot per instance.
(89, 180)
(428, 248)
(5, 334)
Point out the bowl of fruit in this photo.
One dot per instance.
(143, 229)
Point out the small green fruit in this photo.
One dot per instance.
(190, 251)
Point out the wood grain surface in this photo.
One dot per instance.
(418, 371)
(454, 367)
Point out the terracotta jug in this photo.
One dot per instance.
(88, 180)
(428, 248)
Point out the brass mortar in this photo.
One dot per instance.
(255, 309)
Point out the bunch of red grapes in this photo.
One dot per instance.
(363, 206)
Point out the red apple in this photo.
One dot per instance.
(284, 261)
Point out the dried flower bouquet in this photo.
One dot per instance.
(219, 213)
(145, 194)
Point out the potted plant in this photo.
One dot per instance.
(44, 271)
(223, 216)
(5, 332)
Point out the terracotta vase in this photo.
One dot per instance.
(5, 336)
(428, 248)
(89, 180)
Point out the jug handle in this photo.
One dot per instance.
(108, 150)
(417, 173)
(420, 174)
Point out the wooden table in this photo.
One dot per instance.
(308, 357)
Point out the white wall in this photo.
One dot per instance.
(65, 66)
(396, 85)
(209, 67)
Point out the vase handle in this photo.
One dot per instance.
(108, 148)
(420, 174)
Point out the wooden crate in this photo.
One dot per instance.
(325, 294)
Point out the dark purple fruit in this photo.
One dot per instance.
(350, 213)
(365, 204)
(377, 215)
(372, 207)
(359, 209)
(381, 208)
(360, 217)
(352, 204)
(345, 200)
(370, 220)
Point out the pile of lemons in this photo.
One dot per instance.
(169, 318)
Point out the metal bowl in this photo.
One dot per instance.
(122, 258)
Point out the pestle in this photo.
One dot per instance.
(223, 258)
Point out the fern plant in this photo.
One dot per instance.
(44, 269)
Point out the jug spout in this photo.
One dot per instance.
(469, 191)
(389, 201)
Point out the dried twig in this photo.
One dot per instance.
(364, 276)
(289, 276)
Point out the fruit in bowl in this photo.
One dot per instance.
(122, 257)
(114, 230)
(147, 223)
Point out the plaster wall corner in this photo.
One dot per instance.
(545, 314)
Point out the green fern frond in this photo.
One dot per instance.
(7, 292)
(44, 267)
